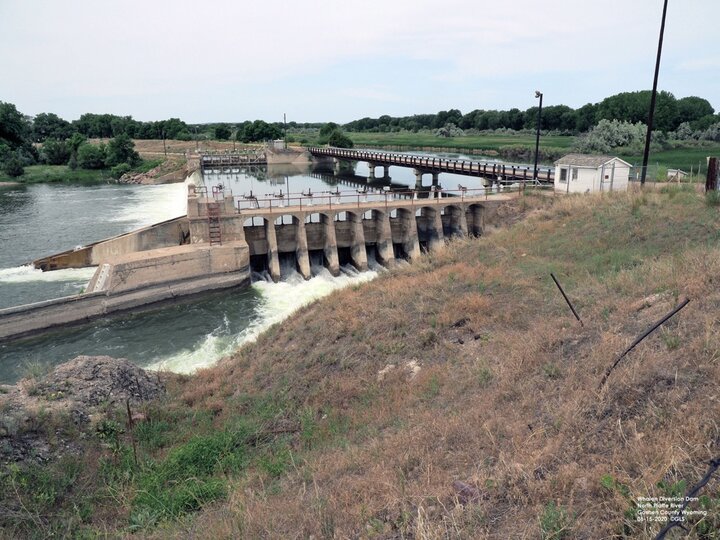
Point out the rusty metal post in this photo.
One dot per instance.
(566, 298)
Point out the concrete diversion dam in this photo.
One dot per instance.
(213, 325)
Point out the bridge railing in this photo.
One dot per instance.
(436, 164)
(281, 202)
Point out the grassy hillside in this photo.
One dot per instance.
(452, 398)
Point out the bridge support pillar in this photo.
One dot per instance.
(436, 237)
(330, 250)
(477, 216)
(383, 234)
(435, 178)
(371, 174)
(358, 254)
(410, 242)
(458, 221)
(272, 250)
(301, 251)
(386, 171)
(336, 166)
(463, 222)
(418, 179)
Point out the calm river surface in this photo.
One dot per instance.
(42, 219)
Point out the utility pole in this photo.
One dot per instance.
(538, 94)
(651, 115)
(285, 130)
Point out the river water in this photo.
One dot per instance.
(42, 219)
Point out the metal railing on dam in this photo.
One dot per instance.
(210, 161)
(367, 198)
(351, 226)
(422, 164)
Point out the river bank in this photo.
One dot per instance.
(394, 408)
(152, 170)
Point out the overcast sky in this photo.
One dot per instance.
(322, 60)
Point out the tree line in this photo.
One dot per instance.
(62, 144)
(630, 107)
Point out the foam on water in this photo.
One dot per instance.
(279, 301)
(153, 204)
(28, 273)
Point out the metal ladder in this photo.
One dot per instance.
(214, 223)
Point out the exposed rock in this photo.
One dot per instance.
(412, 368)
(37, 414)
(92, 380)
(384, 371)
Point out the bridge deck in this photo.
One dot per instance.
(364, 206)
(492, 170)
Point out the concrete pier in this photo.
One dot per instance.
(358, 253)
(409, 234)
(330, 251)
(301, 252)
(383, 237)
(273, 260)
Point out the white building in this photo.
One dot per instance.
(581, 173)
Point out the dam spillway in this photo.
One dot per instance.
(222, 239)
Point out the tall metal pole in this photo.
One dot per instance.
(285, 130)
(651, 115)
(538, 94)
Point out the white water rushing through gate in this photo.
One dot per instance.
(278, 302)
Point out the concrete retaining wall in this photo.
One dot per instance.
(133, 282)
(173, 232)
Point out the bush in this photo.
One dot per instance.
(118, 170)
(609, 134)
(449, 130)
(55, 152)
(13, 167)
(339, 140)
(121, 149)
(90, 156)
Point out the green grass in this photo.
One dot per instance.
(147, 164)
(35, 174)
(475, 142)
(680, 158)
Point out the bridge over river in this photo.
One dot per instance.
(493, 171)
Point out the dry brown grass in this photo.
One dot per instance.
(507, 398)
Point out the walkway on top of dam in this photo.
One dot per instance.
(345, 200)
(493, 170)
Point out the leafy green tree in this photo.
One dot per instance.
(14, 127)
(55, 152)
(14, 167)
(585, 117)
(701, 124)
(339, 140)
(74, 143)
(222, 132)
(326, 131)
(91, 156)
(257, 131)
(693, 108)
(50, 126)
(121, 149)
